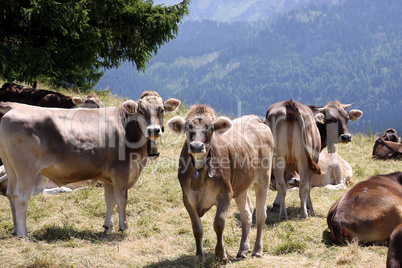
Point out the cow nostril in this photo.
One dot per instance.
(197, 147)
(346, 137)
(155, 131)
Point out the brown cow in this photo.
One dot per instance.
(45, 98)
(299, 136)
(219, 161)
(388, 146)
(394, 258)
(370, 211)
(70, 145)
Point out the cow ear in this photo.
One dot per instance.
(320, 118)
(355, 114)
(222, 125)
(77, 101)
(176, 124)
(171, 105)
(130, 107)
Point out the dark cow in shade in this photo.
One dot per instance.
(300, 133)
(394, 257)
(388, 146)
(220, 160)
(71, 145)
(370, 211)
(45, 98)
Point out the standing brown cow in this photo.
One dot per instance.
(300, 133)
(219, 161)
(70, 145)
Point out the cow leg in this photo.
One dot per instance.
(246, 213)
(279, 173)
(120, 194)
(110, 204)
(18, 196)
(196, 223)
(261, 192)
(219, 226)
(304, 192)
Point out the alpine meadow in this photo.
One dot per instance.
(237, 57)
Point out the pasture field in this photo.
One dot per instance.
(66, 230)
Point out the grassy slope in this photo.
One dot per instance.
(66, 230)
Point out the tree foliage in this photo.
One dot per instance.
(69, 41)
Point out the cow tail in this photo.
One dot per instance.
(293, 113)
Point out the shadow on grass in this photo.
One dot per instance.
(192, 261)
(57, 233)
(326, 239)
(273, 217)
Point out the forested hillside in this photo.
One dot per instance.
(351, 52)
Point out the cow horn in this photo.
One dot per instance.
(320, 109)
(346, 106)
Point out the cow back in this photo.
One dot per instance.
(295, 133)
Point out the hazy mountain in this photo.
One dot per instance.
(241, 10)
(315, 53)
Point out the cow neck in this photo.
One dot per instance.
(197, 179)
(323, 135)
(134, 133)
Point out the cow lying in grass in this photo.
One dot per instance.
(370, 211)
(220, 160)
(46, 98)
(388, 146)
(337, 173)
(46, 187)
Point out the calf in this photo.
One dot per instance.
(45, 98)
(219, 161)
(370, 211)
(71, 145)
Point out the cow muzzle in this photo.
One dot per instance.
(345, 138)
(153, 132)
(198, 151)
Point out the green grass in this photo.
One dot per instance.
(66, 230)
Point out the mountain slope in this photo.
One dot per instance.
(349, 52)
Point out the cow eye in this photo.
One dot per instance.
(141, 112)
(162, 111)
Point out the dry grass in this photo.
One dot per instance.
(66, 230)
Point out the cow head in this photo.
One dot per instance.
(151, 108)
(334, 118)
(199, 127)
(390, 135)
(91, 101)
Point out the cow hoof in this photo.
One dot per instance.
(242, 254)
(108, 229)
(258, 255)
(223, 260)
(275, 208)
